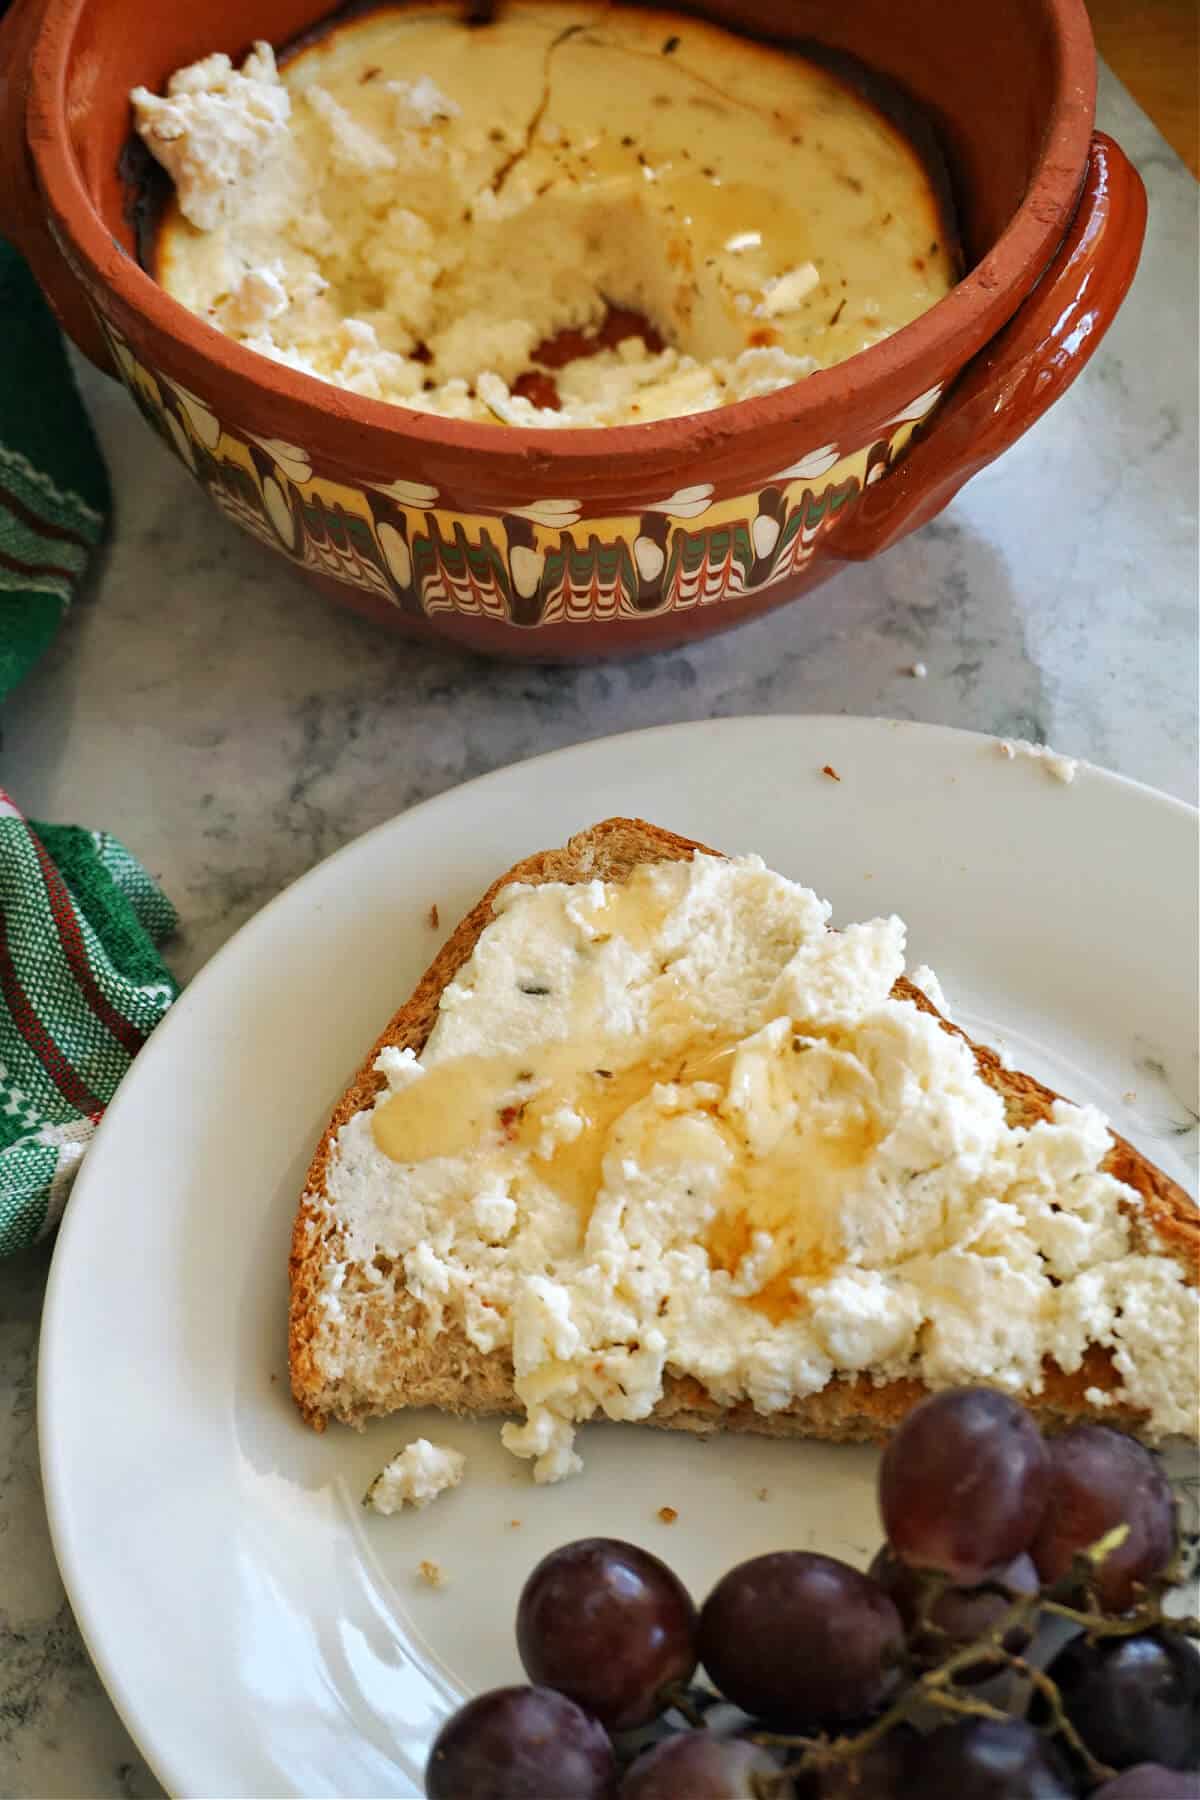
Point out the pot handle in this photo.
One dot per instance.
(22, 211)
(1008, 386)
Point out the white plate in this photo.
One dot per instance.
(260, 1634)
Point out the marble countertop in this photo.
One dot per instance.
(233, 728)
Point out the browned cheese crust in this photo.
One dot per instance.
(407, 1370)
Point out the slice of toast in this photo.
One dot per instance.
(395, 1366)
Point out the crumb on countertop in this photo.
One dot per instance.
(831, 772)
(434, 919)
(432, 1574)
(513, 1524)
(1129, 1096)
(667, 1514)
(763, 1494)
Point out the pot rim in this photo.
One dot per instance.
(953, 329)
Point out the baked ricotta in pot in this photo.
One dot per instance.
(571, 215)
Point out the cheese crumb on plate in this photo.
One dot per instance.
(1059, 767)
(415, 1476)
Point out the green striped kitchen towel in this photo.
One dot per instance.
(81, 981)
(54, 498)
(81, 988)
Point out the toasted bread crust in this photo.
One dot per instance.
(452, 1374)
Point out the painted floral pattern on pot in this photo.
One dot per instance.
(543, 562)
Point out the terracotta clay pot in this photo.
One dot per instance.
(592, 542)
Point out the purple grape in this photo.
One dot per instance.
(959, 1615)
(1150, 1781)
(986, 1759)
(700, 1766)
(521, 1743)
(796, 1636)
(1101, 1478)
(1131, 1699)
(610, 1626)
(964, 1483)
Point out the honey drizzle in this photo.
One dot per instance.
(472, 1101)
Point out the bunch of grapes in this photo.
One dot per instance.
(850, 1684)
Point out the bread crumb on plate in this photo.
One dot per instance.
(667, 1514)
(431, 1573)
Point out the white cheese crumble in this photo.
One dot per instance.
(679, 1127)
(215, 130)
(422, 102)
(415, 1476)
(784, 294)
(1061, 768)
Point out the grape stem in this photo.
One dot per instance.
(1097, 1771)
(952, 1701)
(675, 1697)
(937, 1686)
(1146, 1617)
